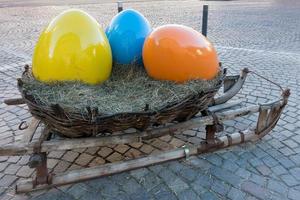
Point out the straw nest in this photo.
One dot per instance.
(129, 89)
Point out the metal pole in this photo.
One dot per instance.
(204, 20)
(120, 6)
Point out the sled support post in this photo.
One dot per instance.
(41, 168)
(204, 20)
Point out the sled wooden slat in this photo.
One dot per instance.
(262, 120)
(223, 106)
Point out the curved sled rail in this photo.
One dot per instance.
(232, 85)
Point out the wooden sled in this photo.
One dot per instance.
(219, 110)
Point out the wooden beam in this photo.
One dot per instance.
(16, 101)
(68, 144)
(224, 106)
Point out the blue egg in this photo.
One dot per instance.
(126, 34)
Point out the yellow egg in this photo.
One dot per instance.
(72, 47)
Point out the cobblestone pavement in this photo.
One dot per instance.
(261, 35)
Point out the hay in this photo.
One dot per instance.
(129, 89)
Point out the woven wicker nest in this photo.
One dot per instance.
(129, 99)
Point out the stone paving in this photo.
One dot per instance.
(261, 35)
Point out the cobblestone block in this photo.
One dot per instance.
(93, 195)
(236, 194)
(230, 166)
(156, 168)
(209, 196)
(264, 170)
(176, 142)
(115, 157)
(269, 161)
(110, 190)
(54, 195)
(220, 188)
(51, 163)
(24, 160)
(139, 173)
(25, 172)
(133, 153)
(203, 180)
(92, 150)
(70, 156)
(226, 176)
(121, 179)
(3, 158)
(7, 180)
(286, 162)
(243, 173)
(56, 154)
(104, 152)
(188, 195)
(74, 167)
(3, 166)
(150, 181)
(13, 159)
(279, 170)
(12, 169)
(296, 173)
(255, 190)
(97, 161)
(146, 148)
(131, 187)
(83, 159)
(189, 174)
(177, 185)
(141, 195)
(199, 162)
(296, 159)
(291, 144)
(289, 180)
(163, 193)
(77, 190)
(121, 148)
(277, 186)
(260, 180)
(294, 194)
(286, 151)
(136, 145)
(61, 166)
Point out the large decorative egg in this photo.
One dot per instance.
(179, 53)
(126, 34)
(72, 47)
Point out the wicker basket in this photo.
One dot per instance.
(72, 124)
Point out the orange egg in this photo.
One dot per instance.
(179, 53)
